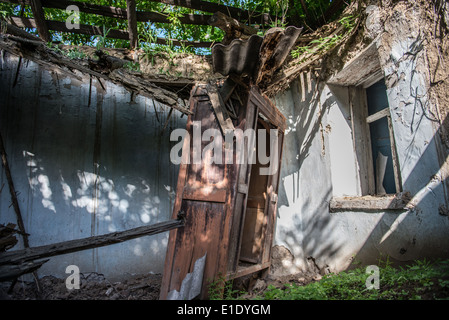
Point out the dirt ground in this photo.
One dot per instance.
(93, 286)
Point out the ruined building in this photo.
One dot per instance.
(360, 107)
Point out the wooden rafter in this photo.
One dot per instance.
(97, 31)
(144, 16)
(117, 13)
(131, 15)
(132, 22)
(39, 16)
(206, 6)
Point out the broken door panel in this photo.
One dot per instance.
(214, 196)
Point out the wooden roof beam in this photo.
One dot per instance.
(210, 7)
(132, 23)
(23, 22)
(39, 17)
(115, 12)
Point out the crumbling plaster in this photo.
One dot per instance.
(319, 162)
(83, 169)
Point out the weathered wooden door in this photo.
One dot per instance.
(213, 197)
(254, 215)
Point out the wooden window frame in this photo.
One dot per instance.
(378, 116)
(368, 200)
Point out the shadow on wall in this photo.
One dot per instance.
(86, 168)
(304, 225)
(311, 233)
(421, 231)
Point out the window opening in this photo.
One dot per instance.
(386, 173)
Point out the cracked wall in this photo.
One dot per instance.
(319, 163)
(86, 167)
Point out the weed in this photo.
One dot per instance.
(73, 53)
(221, 289)
(324, 44)
(101, 40)
(132, 66)
(420, 280)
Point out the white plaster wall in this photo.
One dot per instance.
(318, 163)
(325, 169)
(85, 170)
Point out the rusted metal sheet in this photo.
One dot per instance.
(214, 200)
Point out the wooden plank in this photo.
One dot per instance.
(249, 121)
(144, 16)
(173, 236)
(146, 88)
(396, 170)
(254, 234)
(205, 194)
(243, 188)
(23, 22)
(132, 22)
(234, 12)
(361, 141)
(227, 89)
(39, 17)
(268, 109)
(370, 203)
(221, 113)
(71, 246)
(246, 270)
(232, 28)
(12, 191)
(12, 272)
(272, 205)
(378, 115)
(119, 13)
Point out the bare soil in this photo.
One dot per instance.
(93, 286)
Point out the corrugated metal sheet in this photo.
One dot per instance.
(238, 57)
(242, 57)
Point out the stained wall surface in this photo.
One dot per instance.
(86, 168)
(321, 163)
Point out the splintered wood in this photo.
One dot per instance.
(7, 237)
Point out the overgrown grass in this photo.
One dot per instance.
(422, 280)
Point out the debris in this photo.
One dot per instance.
(191, 285)
(94, 286)
(7, 237)
(109, 291)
